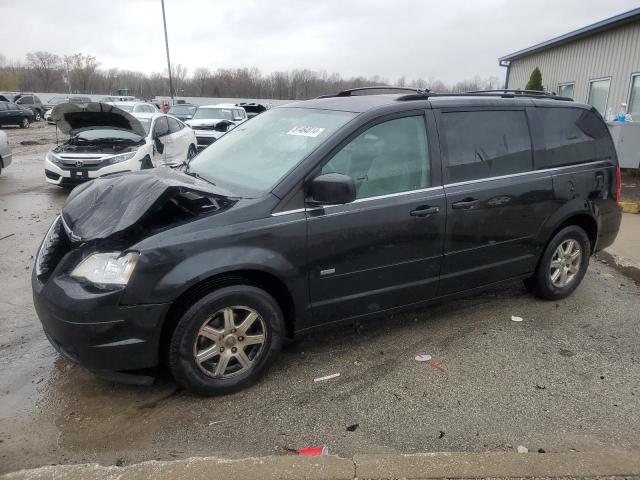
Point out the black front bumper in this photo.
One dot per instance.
(91, 328)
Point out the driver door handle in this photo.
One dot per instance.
(424, 211)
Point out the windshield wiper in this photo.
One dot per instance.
(195, 174)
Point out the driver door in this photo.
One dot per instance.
(384, 250)
(160, 134)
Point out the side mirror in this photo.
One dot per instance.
(332, 189)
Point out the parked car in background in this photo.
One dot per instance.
(115, 99)
(183, 112)
(52, 102)
(321, 211)
(5, 151)
(104, 139)
(13, 114)
(136, 107)
(252, 108)
(210, 122)
(31, 101)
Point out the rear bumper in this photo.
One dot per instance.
(92, 329)
(609, 227)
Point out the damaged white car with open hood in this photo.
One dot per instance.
(104, 139)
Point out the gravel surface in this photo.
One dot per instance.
(566, 377)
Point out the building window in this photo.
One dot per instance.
(634, 98)
(599, 94)
(566, 90)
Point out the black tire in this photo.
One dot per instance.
(541, 284)
(146, 163)
(24, 123)
(37, 116)
(183, 347)
(192, 152)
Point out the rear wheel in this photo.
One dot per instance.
(25, 123)
(226, 340)
(37, 115)
(563, 264)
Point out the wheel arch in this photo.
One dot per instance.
(258, 278)
(583, 219)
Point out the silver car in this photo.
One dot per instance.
(5, 151)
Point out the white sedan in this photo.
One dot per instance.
(5, 151)
(104, 139)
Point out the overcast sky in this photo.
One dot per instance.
(450, 40)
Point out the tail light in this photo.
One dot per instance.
(618, 184)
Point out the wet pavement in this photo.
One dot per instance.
(567, 377)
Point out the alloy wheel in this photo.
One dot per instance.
(565, 263)
(230, 342)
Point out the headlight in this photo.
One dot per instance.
(112, 268)
(53, 158)
(123, 157)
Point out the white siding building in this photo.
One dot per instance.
(598, 64)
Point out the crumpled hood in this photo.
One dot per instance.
(74, 117)
(140, 201)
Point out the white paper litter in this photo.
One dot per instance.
(425, 357)
(516, 319)
(328, 377)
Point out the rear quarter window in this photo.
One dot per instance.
(572, 136)
(484, 144)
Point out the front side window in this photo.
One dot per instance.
(254, 156)
(599, 94)
(634, 98)
(567, 90)
(390, 157)
(571, 136)
(161, 127)
(486, 144)
(28, 100)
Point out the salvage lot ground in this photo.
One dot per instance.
(567, 377)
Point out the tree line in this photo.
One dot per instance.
(81, 73)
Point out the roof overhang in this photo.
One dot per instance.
(598, 27)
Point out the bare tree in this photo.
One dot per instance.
(46, 66)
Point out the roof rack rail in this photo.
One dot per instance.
(347, 93)
(514, 90)
(489, 93)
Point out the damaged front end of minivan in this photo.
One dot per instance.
(89, 255)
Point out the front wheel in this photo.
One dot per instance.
(563, 264)
(24, 123)
(226, 340)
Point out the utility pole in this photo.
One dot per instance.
(166, 42)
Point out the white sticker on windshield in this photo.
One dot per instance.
(306, 131)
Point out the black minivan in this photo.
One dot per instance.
(321, 211)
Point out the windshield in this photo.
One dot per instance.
(213, 113)
(182, 110)
(56, 100)
(126, 108)
(108, 135)
(255, 155)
